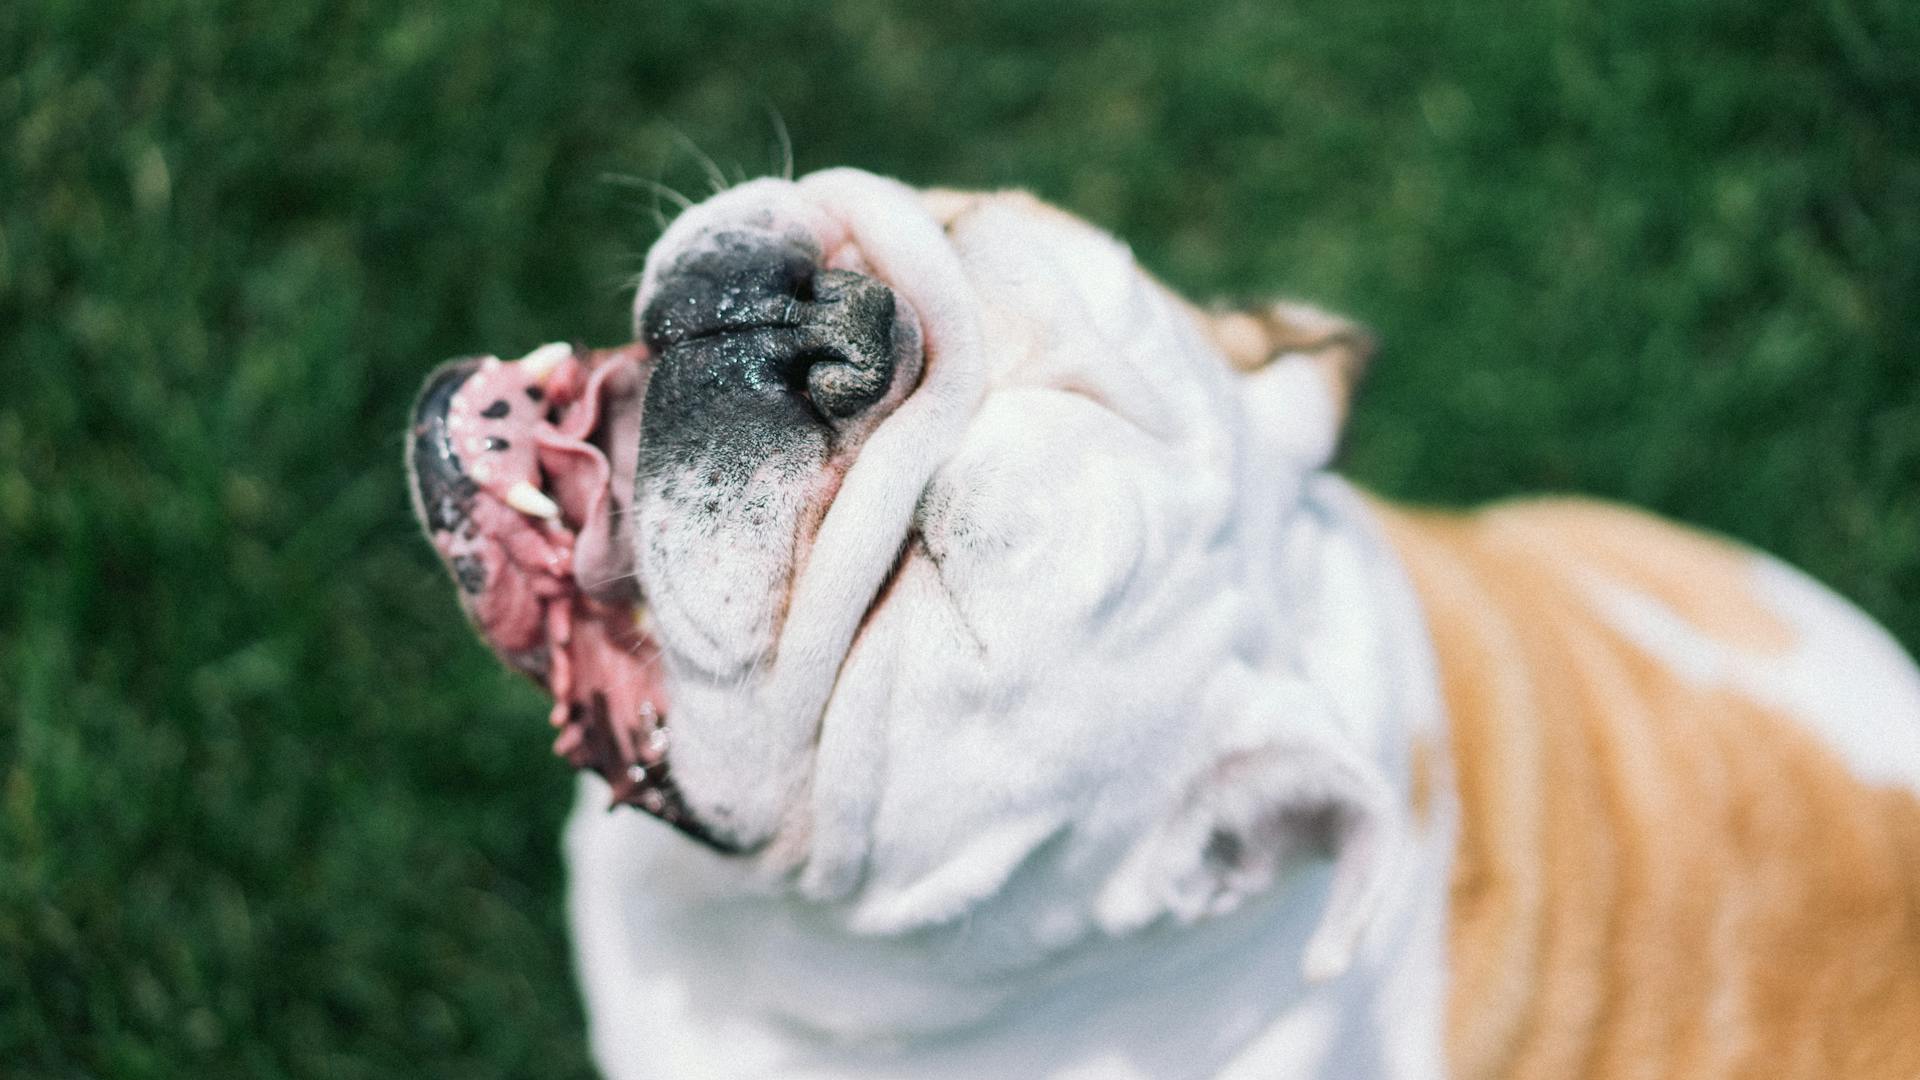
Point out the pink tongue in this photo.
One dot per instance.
(556, 595)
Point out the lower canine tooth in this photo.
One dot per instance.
(541, 362)
(530, 500)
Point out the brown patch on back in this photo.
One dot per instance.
(1703, 579)
(1653, 879)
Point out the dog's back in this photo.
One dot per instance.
(1690, 841)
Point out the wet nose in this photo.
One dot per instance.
(756, 346)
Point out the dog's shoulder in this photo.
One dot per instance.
(1722, 615)
(1686, 775)
(1706, 611)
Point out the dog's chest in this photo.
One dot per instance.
(684, 990)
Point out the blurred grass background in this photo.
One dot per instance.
(269, 811)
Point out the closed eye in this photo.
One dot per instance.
(1150, 418)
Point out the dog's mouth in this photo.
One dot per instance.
(523, 474)
(759, 506)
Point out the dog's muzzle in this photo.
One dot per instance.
(565, 489)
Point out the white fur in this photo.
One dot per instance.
(1844, 678)
(1044, 816)
(1053, 813)
(688, 973)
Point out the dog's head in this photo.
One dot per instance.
(962, 543)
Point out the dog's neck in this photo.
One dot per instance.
(1357, 628)
(679, 968)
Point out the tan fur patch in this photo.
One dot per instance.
(1420, 780)
(1704, 579)
(1653, 879)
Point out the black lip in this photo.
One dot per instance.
(649, 788)
(443, 492)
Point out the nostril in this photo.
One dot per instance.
(839, 387)
(803, 289)
(796, 372)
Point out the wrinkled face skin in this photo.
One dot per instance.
(937, 513)
(963, 553)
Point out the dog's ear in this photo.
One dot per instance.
(1301, 365)
(1254, 337)
(1252, 817)
(1280, 341)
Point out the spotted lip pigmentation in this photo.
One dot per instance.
(522, 473)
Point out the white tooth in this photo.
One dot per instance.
(541, 362)
(531, 501)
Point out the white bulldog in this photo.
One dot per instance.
(1041, 706)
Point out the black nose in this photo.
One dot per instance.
(756, 346)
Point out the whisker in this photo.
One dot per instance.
(632, 282)
(651, 662)
(786, 141)
(659, 190)
(715, 176)
(597, 586)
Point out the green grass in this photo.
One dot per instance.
(269, 811)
